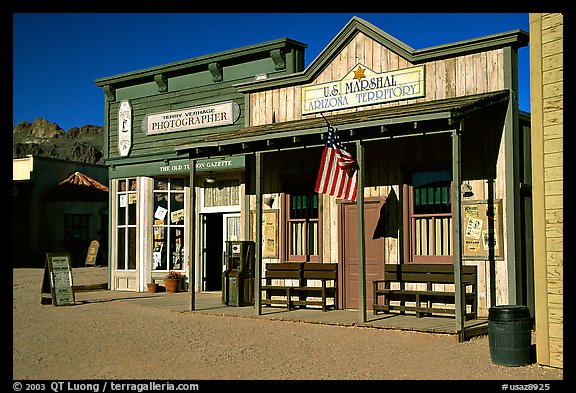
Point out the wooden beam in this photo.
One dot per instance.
(258, 237)
(192, 237)
(460, 305)
(361, 240)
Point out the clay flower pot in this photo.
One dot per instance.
(171, 284)
(152, 287)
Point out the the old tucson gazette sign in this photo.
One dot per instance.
(362, 86)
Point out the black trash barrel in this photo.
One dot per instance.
(509, 335)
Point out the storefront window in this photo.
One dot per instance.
(303, 223)
(222, 193)
(168, 246)
(127, 202)
(431, 216)
(76, 227)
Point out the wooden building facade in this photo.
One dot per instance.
(442, 150)
(547, 98)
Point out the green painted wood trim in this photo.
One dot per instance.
(201, 61)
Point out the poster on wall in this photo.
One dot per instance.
(269, 232)
(482, 229)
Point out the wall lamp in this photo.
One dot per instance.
(467, 190)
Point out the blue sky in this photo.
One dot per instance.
(57, 57)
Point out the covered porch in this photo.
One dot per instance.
(446, 117)
(211, 303)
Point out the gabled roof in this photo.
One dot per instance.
(77, 187)
(514, 38)
(81, 179)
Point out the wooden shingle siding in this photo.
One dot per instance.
(447, 78)
(546, 58)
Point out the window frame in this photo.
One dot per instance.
(410, 235)
(291, 190)
(168, 227)
(83, 227)
(126, 227)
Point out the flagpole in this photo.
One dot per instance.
(361, 241)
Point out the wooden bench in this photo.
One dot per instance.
(281, 272)
(324, 273)
(296, 279)
(428, 300)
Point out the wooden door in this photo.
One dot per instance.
(374, 250)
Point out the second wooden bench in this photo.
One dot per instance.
(427, 300)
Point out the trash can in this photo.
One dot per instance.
(510, 335)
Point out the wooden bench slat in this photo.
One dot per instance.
(424, 299)
(301, 272)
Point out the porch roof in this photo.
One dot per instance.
(429, 116)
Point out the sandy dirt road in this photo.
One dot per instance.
(99, 339)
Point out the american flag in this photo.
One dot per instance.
(338, 173)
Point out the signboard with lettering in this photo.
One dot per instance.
(92, 254)
(212, 115)
(124, 128)
(178, 167)
(58, 276)
(362, 86)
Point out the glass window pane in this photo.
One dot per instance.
(176, 184)
(131, 248)
(222, 193)
(121, 250)
(132, 183)
(122, 203)
(313, 238)
(159, 250)
(131, 209)
(176, 248)
(177, 208)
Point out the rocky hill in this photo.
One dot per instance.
(42, 138)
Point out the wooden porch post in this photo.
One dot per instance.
(192, 236)
(460, 306)
(258, 236)
(361, 241)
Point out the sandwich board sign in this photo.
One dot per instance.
(58, 279)
(92, 254)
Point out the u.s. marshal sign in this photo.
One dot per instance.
(362, 86)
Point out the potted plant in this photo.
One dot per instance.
(172, 281)
(152, 287)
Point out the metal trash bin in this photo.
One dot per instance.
(510, 335)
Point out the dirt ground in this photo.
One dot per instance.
(97, 339)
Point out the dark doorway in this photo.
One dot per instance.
(213, 242)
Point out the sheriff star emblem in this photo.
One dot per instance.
(359, 73)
